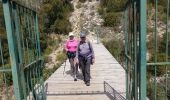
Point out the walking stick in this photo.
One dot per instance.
(64, 67)
(64, 51)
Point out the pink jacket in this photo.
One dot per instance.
(71, 45)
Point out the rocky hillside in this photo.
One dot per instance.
(85, 17)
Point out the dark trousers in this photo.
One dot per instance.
(71, 60)
(85, 66)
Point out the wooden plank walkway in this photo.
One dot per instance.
(61, 86)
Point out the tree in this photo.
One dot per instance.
(112, 19)
(55, 14)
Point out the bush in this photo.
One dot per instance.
(160, 68)
(47, 73)
(101, 11)
(47, 51)
(111, 11)
(160, 88)
(113, 5)
(160, 91)
(78, 5)
(8, 76)
(43, 42)
(55, 15)
(61, 26)
(115, 47)
(112, 19)
(82, 1)
(61, 57)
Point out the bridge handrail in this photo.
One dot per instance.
(30, 4)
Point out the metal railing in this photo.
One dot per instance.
(31, 4)
(21, 25)
(147, 68)
(135, 49)
(5, 71)
(158, 66)
(112, 93)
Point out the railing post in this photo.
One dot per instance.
(142, 51)
(12, 50)
(126, 48)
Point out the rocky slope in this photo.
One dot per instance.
(84, 18)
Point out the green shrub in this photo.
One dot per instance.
(82, 1)
(59, 39)
(1, 80)
(160, 88)
(101, 11)
(43, 42)
(61, 57)
(113, 5)
(112, 19)
(47, 73)
(78, 5)
(61, 26)
(115, 47)
(160, 91)
(111, 11)
(53, 43)
(8, 75)
(54, 16)
(46, 58)
(160, 68)
(47, 51)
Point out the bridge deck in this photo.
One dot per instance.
(61, 86)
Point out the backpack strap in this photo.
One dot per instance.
(89, 44)
(79, 45)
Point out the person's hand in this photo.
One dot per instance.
(93, 61)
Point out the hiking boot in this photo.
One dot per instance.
(75, 79)
(87, 83)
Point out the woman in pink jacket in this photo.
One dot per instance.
(71, 47)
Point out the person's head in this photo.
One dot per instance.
(71, 35)
(83, 36)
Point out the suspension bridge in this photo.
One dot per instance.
(109, 80)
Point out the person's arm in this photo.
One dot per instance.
(66, 46)
(77, 52)
(92, 51)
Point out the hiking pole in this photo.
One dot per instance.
(64, 51)
(64, 67)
